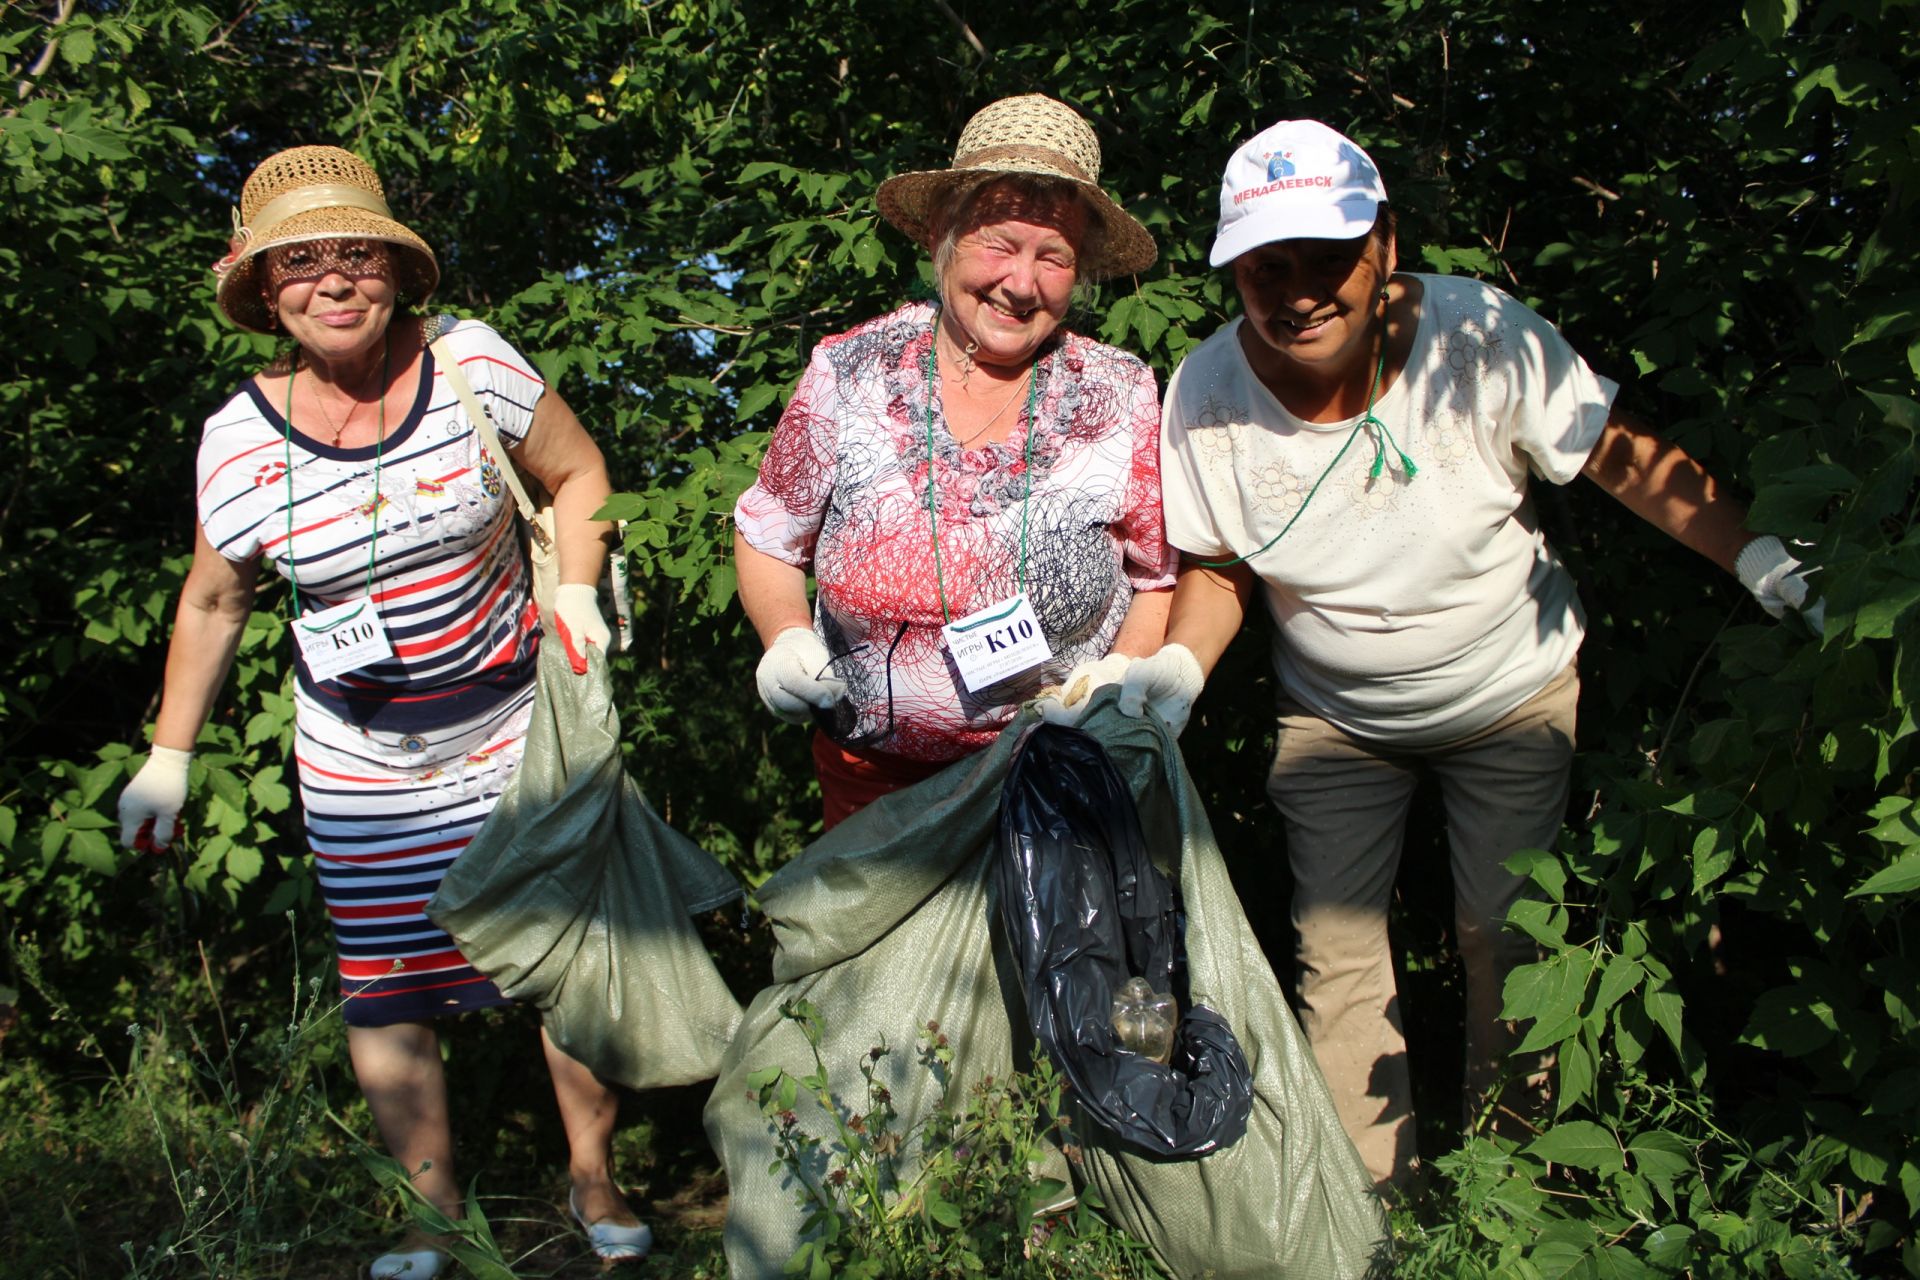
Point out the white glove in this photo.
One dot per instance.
(796, 675)
(150, 806)
(1168, 682)
(1076, 691)
(576, 616)
(1777, 582)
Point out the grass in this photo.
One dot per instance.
(179, 1146)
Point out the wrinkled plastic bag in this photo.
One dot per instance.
(1086, 909)
(887, 921)
(574, 896)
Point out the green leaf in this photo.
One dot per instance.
(1576, 1076)
(1670, 1246)
(942, 1212)
(1660, 1156)
(1620, 976)
(1711, 859)
(1665, 1007)
(92, 850)
(1901, 876)
(76, 46)
(244, 864)
(1579, 1144)
(754, 399)
(1790, 1020)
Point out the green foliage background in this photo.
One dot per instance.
(666, 203)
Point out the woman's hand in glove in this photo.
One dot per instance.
(1168, 682)
(796, 676)
(150, 806)
(1778, 582)
(1076, 691)
(576, 616)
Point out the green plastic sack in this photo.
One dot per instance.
(574, 896)
(886, 922)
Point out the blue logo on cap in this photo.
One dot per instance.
(1279, 165)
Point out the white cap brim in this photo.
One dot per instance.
(1347, 220)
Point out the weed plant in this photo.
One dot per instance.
(951, 1194)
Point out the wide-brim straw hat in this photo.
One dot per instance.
(1028, 134)
(313, 193)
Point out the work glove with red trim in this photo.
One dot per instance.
(151, 803)
(576, 616)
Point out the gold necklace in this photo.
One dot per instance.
(1018, 387)
(340, 429)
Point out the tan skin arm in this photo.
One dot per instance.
(214, 605)
(1208, 607)
(1657, 481)
(560, 454)
(1145, 627)
(773, 592)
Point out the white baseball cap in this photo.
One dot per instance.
(1296, 180)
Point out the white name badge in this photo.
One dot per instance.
(1000, 640)
(344, 638)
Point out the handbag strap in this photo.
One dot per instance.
(449, 364)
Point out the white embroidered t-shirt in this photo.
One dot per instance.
(1416, 610)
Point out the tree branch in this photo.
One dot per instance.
(45, 60)
(960, 25)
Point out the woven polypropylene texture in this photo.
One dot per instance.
(884, 923)
(575, 897)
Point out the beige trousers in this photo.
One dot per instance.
(1344, 801)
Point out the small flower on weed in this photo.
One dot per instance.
(857, 1123)
(788, 1120)
(1072, 1151)
(837, 1178)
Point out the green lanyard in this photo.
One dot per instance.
(1373, 472)
(1026, 501)
(373, 544)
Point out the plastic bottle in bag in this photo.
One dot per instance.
(1144, 1019)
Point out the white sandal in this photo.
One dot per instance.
(408, 1264)
(610, 1241)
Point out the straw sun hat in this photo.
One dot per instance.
(312, 193)
(1028, 134)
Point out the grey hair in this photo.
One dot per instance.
(949, 219)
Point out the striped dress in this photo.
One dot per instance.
(399, 762)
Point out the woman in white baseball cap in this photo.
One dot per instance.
(1358, 447)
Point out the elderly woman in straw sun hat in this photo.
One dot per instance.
(351, 467)
(963, 468)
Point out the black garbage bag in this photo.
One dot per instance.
(1086, 908)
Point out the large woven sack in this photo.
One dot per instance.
(886, 922)
(574, 896)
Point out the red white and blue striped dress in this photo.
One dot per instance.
(399, 762)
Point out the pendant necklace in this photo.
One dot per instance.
(988, 424)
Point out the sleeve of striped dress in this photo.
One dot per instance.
(504, 380)
(240, 479)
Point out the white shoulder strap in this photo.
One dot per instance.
(449, 365)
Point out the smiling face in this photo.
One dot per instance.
(1008, 277)
(334, 297)
(1311, 306)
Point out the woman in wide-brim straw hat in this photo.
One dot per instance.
(962, 464)
(351, 467)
